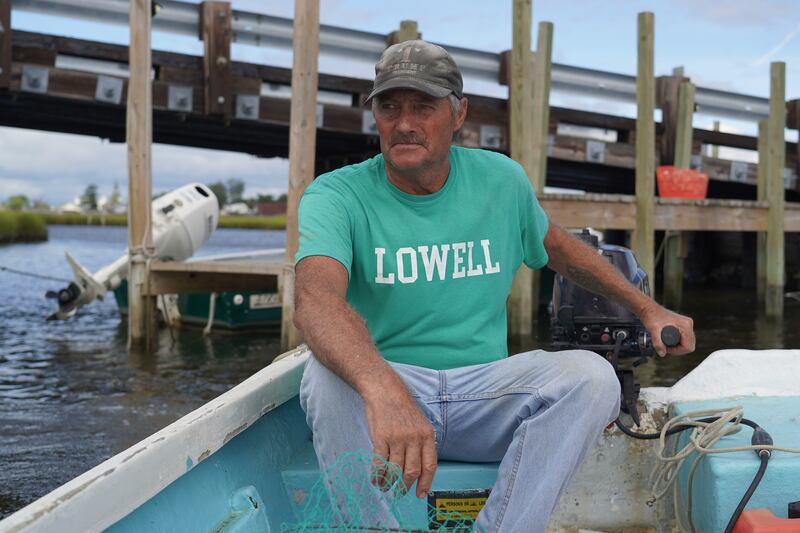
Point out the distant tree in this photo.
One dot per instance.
(114, 199)
(220, 191)
(235, 190)
(282, 198)
(265, 198)
(89, 198)
(41, 205)
(18, 202)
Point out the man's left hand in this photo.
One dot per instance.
(655, 318)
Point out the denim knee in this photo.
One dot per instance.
(596, 377)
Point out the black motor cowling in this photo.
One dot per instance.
(583, 319)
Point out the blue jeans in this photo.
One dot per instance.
(538, 413)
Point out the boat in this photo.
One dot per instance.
(182, 221)
(228, 311)
(245, 462)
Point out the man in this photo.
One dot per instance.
(403, 271)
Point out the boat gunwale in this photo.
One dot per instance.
(97, 499)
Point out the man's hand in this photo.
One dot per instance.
(655, 318)
(401, 435)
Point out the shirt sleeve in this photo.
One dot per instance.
(534, 228)
(324, 227)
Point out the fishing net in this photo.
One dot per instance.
(361, 492)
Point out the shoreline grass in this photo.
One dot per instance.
(18, 226)
(273, 222)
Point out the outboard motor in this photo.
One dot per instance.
(585, 320)
(183, 220)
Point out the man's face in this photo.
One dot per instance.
(415, 129)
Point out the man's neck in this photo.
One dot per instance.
(422, 181)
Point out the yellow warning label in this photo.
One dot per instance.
(446, 508)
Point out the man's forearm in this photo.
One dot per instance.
(341, 341)
(579, 262)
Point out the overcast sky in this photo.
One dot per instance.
(721, 44)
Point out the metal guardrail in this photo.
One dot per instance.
(267, 30)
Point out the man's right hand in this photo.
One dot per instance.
(401, 435)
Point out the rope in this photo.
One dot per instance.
(212, 302)
(701, 441)
(33, 275)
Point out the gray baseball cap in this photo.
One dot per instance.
(417, 65)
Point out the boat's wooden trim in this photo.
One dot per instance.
(110, 491)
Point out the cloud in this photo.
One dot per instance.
(777, 48)
(743, 13)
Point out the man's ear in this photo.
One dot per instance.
(462, 113)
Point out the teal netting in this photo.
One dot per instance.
(369, 496)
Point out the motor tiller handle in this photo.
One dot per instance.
(670, 336)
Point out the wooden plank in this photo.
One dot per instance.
(762, 196)
(215, 31)
(142, 314)
(302, 144)
(644, 247)
(5, 43)
(520, 302)
(776, 153)
(541, 105)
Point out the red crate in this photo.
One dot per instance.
(681, 183)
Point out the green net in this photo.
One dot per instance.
(363, 492)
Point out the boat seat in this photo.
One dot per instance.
(302, 473)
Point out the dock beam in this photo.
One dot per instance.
(520, 126)
(644, 242)
(142, 313)
(776, 147)
(302, 147)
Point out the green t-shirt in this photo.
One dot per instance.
(430, 274)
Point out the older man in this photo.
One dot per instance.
(403, 271)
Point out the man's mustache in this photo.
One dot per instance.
(408, 138)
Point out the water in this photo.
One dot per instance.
(71, 396)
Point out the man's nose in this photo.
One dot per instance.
(406, 121)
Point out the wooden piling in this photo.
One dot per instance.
(762, 196)
(302, 146)
(215, 31)
(776, 148)
(520, 302)
(541, 105)
(677, 242)
(408, 31)
(5, 44)
(139, 134)
(645, 146)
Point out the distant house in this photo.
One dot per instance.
(238, 208)
(271, 208)
(70, 207)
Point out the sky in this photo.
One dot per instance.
(724, 45)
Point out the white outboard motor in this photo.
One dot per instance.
(183, 220)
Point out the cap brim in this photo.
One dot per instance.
(416, 84)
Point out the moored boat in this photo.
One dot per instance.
(245, 462)
(228, 311)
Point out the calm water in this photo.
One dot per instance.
(71, 396)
